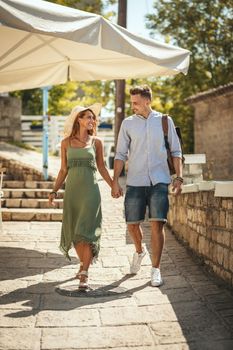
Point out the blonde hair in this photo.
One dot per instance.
(76, 127)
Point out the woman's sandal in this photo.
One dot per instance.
(78, 275)
(83, 279)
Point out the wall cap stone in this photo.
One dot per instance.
(223, 189)
(195, 158)
(206, 185)
(190, 188)
(220, 90)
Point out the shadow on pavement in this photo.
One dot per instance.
(194, 298)
(40, 296)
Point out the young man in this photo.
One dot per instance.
(141, 140)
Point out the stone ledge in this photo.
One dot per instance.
(195, 158)
(206, 186)
(222, 188)
(190, 188)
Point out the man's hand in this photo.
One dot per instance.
(116, 189)
(176, 187)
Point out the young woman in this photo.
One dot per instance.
(81, 152)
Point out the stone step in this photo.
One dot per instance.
(31, 214)
(29, 193)
(30, 203)
(28, 184)
(8, 177)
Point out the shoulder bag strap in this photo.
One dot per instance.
(165, 124)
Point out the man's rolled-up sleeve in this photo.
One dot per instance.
(173, 140)
(122, 144)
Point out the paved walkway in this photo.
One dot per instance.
(190, 311)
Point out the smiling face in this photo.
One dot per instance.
(85, 120)
(140, 104)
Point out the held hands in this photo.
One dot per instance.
(116, 189)
(176, 186)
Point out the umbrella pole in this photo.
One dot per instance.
(45, 140)
(1, 196)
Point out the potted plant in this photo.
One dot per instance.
(36, 125)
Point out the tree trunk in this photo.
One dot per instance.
(120, 84)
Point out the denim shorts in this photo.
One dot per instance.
(138, 198)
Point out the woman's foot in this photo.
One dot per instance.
(78, 275)
(83, 279)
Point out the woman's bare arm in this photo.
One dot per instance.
(100, 162)
(62, 172)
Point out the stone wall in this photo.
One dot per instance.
(205, 223)
(10, 122)
(19, 171)
(213, 130)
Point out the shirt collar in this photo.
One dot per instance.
(151, 114)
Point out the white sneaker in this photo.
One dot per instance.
(156, 279)
(136, 262)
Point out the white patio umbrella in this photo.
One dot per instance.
(46, 44)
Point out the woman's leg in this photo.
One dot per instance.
(79, 251)
(85, 255)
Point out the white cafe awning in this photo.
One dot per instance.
(46, 44)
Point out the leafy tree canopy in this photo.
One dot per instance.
(206, 29)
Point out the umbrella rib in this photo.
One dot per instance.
(51, 46)
(14, 47)
(26, 53)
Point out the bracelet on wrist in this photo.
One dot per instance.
(178, 178)
(54, 192)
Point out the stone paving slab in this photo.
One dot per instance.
(96, 337)
(20, 339)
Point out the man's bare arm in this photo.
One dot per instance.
(116, 188)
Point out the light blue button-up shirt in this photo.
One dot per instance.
(141, 141)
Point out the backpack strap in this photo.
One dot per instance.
(165, 130)
(165, 124)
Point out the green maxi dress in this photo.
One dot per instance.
(82, 216)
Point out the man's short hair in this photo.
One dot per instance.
(144, 91)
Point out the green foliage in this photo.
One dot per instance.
(63, 98)
(94, 6)
(206, 29)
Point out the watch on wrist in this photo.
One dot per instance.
(179, 178)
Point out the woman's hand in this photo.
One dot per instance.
(52, 196)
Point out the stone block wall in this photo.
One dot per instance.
(10, 119)
(205, 223)
(21, 172)
(213, 130)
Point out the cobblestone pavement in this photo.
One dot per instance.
(191, 310)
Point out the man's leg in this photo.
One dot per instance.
(158, 208)
(157, 242)
(136, 235)
(135, 207)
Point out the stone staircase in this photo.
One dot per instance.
(28, 201)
